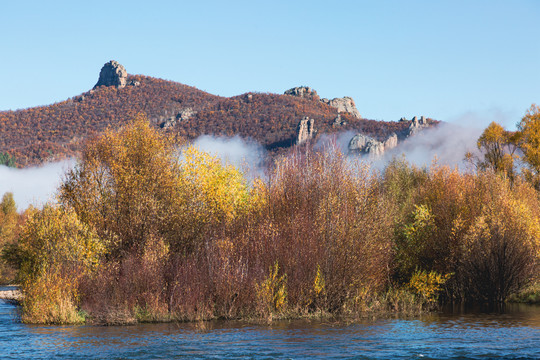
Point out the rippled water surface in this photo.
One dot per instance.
(512, 334)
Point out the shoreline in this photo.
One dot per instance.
(12, 295)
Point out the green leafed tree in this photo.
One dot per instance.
(7, 159)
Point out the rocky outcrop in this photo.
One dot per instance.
(363, 144)
(305, 130)
(344, 104)
(391, 142)
(338, 121)
(304, 92)
(112, 74)
(417, 125)
(186, 114)
(183, 115)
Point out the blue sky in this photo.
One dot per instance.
(450, 60)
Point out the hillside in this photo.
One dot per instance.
(47, 133)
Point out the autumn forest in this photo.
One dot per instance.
(49, 133)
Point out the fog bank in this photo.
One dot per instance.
(447, 142)
(33, 185)
(245, 154)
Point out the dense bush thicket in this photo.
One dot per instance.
(10, 222)
(479, 229)
(146, 232)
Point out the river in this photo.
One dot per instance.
(454, 334)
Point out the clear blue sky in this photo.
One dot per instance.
(443, 59)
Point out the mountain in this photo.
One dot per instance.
(48, 133)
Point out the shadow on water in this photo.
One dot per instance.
(512, 332)
(504, 315)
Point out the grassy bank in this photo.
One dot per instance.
(145, 232)
(529, 295)
(393, 303)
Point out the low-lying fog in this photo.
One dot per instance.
(447, 142)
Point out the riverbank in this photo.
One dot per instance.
(393, 304)
(529, 295)
(11, 294)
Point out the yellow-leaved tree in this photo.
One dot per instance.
(127, 186)
(136, 184)
(56, 250)
(498, 147)
(216, 193)
(8, 233)
(529, 127)
(220, 189)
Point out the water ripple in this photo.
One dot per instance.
(512, 335)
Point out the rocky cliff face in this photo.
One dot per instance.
(112, 74)
(344, 104)
(184, 115)
(305, 130)
(391, 142)
(363, 144)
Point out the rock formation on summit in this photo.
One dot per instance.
(344, 104)
(305, 130)
(112, 74)
(417, 125)
(304, 92)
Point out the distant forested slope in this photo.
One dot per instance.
(47, 133)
